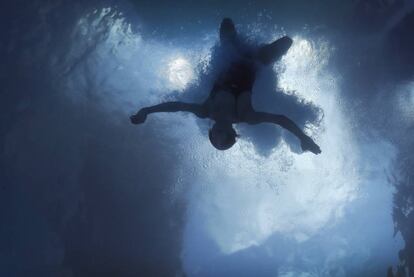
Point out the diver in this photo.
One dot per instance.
(229, 101)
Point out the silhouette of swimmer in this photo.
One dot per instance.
(229, 101)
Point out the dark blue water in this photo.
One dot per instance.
(85, 193)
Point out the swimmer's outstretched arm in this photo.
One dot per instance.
(306, 142)
(141, 115)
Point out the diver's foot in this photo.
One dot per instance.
(308, 144)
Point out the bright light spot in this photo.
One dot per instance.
(304, 58)
(180, 73)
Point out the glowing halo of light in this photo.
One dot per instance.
(180, 73)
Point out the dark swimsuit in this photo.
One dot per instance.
(238, 78)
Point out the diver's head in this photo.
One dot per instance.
(222, 136)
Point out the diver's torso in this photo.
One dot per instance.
(238, 78)
(223, 106)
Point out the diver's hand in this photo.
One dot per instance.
(139, 117)
(308, 144)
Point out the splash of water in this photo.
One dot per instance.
(248, 197)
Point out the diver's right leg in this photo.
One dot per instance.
(270, 53)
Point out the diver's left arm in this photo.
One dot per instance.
(261, 117)
(141, 115)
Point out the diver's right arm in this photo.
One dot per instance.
(306, 142)
(197, 109)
